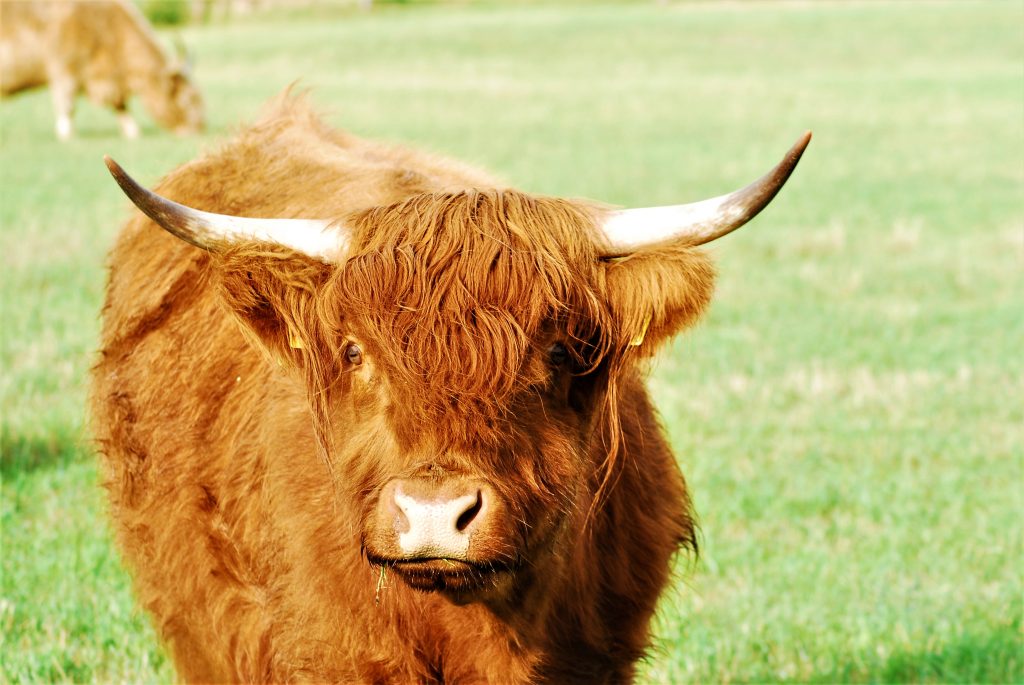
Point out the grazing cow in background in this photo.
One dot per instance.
(396, 431)
(105, 49)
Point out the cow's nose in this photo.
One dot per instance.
(436, 519)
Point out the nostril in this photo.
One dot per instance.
(467, 517)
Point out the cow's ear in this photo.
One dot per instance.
(656, 292)
(273, 292)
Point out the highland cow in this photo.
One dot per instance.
(105, 49)
(396, 431)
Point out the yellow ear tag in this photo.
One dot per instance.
(638, 339)
(295, 342)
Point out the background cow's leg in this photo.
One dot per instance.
(62, 90)
(129, 127)
(109, 92)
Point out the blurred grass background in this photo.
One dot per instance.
(850, 415)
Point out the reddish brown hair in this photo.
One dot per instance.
(224, 386)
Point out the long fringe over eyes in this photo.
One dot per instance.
(452, 288)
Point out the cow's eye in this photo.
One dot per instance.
(558, 355)
(353, 354)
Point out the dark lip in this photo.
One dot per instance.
(431, 574)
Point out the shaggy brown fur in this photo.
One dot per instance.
(104, 48)
(243, 471)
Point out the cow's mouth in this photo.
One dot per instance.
(445, 575)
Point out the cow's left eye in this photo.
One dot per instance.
(353, 354)
(558, 355)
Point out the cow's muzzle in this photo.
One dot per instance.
(441, 534)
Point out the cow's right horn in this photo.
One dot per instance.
(699, 222)
(319, 238)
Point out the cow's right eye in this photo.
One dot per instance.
(558, 355)
(353, 354)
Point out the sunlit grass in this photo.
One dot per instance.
(849, 415)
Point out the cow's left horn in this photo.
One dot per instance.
(318, 238)
(699, 222)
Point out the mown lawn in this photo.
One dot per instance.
(851, 413)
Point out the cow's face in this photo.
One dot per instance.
(463, 359)
(476, 323)
(175, 102)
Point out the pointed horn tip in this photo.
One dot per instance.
(780, 174)
(801, 143)
(129, 186)
(115, 169)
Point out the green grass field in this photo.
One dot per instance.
(851, 413)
